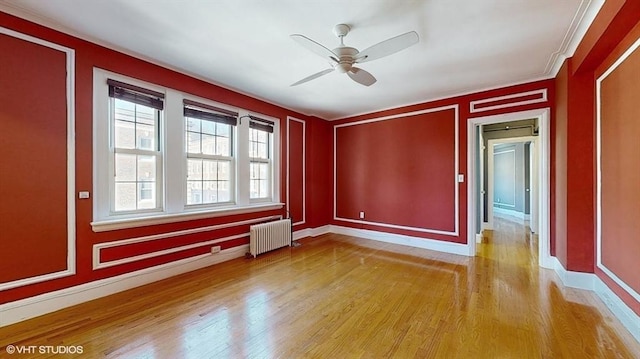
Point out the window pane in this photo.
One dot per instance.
(262, 150)
(125, 196)
(146, 168)
(194, 192)
(259, 180)
(145, 115)
(223, 130)
(124, 110)
(208, 127)
(263, 189)
(124, 134)
(194, 169)
(224, 192)
(208, 144)
(263, 171)
(209, 170)
(209, 192)
(146, 137)
(193, 142)
(146, 198)
(224, 170)
(125, 167)
(223, 147)
(193, 124)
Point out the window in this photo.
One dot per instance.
(259, 158)
(135, 122)
(162, 156)
(209, 148)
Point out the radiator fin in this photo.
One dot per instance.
(268, 236)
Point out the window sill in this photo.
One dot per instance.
(124, 223)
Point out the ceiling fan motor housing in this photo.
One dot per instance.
(346, 57)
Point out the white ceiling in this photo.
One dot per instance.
(465, 45)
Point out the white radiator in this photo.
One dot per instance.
(269, 236)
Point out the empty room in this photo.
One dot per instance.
(307, 179)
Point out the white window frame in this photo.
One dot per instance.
(172, 182)
(157, 154)
(232, 160)
(269, 162)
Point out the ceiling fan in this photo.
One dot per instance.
(343, 58)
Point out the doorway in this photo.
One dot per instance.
(475, 146)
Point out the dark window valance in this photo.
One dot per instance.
(261, 124)
(136, 94)
(206, 112)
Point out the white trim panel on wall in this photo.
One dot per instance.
(474, 108)
(455, 177)
(71, 160)
(97, 248)
(599, 263)
(304, 169)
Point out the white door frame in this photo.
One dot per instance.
(543, 148)
(490, 180)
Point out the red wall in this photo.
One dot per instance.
(412, 164)
(620, 170)
(88, 56)
(615, 28)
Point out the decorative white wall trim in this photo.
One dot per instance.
(589, 281)
(71, 163)
(455, 175)
(542, 98)
(304, 169)
(431, 244)
(98, 263)
(23, 309)
(599, 263)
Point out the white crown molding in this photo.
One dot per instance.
(582, 20)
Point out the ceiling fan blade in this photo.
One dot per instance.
(388, 47)
(314, 76)
(315, 47)
(361, 76)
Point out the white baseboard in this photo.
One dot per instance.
(627, 317)
(497, 211)
(311, 232)
(487, 226)
(589, 281)
(434, 245)
(478, 238)
(31, 307)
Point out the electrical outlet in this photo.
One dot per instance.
(215, 249)
(361, 215)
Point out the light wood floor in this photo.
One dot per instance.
(344, 297)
